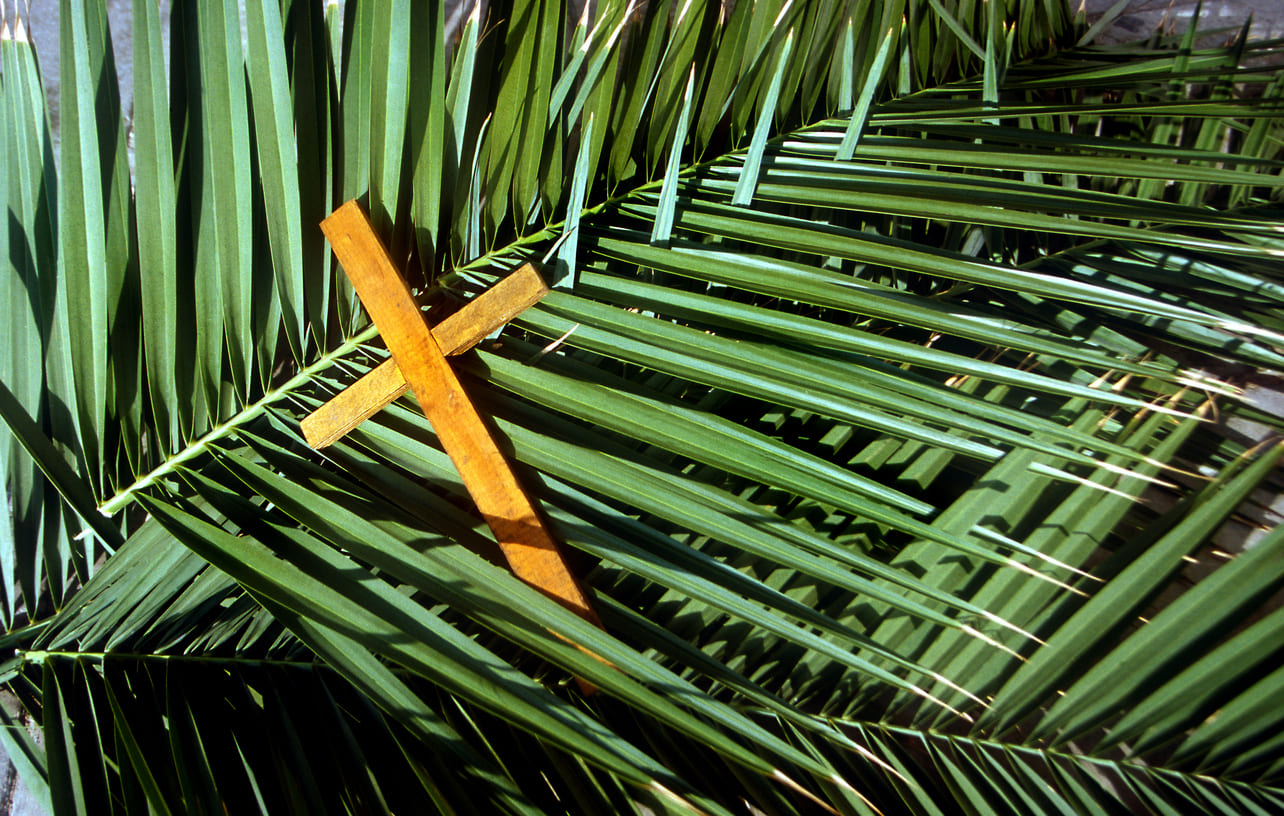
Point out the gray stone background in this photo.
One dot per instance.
(1141, 17)
(1138, 19)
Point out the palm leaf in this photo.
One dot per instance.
(874, 404)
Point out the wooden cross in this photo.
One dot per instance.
(419, 363)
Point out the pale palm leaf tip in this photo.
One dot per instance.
(1027, 500)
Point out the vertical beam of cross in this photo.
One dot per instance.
(525, 540)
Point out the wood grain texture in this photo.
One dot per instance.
(531, 551)
(456, 334)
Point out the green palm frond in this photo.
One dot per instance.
(875, 400)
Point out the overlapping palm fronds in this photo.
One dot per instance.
(874, 399)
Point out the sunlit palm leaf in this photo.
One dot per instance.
(872, 347)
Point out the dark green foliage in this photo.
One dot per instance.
(873, 401)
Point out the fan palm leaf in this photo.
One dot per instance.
(874, 400)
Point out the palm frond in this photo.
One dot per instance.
(874, 401)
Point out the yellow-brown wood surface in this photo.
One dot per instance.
(457, 333)
(526, 542)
